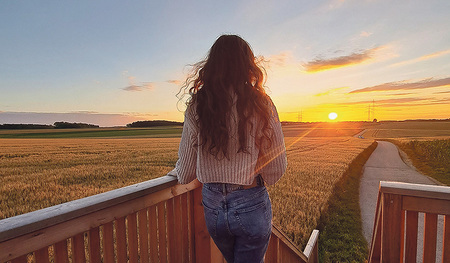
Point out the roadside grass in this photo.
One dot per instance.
(341, 238)
(429, 157)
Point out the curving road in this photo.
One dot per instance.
(385, 164)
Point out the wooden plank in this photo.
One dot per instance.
(412, 219)
(121, 240)
(314, 257)
(391, 228)
(191, 227)
(272, 249)
(426, 205)
(41, 255)
(202, 243)
(375, 244)
(108, 242)
(61, 255)
(162, 248)
(94, 245)
(170, 231)
(417, 190)
(184, 228)
(78, 252)
(285, 241)
(45, 237)
(33, 221)
(312, 243)
(21, 259)
(153, 233)
(177, 230)
(132, 238)
(430, 234)
(446, 240)
(143, 235)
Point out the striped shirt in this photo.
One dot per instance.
(241, 168)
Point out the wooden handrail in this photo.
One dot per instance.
(19, 225)
(157, 220)
(396, 226)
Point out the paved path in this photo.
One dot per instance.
(385, 164)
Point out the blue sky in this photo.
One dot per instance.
(113, 62)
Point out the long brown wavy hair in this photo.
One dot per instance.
(230, 69)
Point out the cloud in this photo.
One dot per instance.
(365, 34)
(405, 85)
(132, 86)
(174, 81)
(442, 92)
(399, 102)
(142, 87)
(330, 91)
(280, 59)
(422, 58)
(343, 61)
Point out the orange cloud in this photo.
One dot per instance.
(174, 81)
(132, 86)
(405, 85)
(343, 61)
(142, 87)
(330, 91)
(279, 59)
(365, 34)
(422, 58)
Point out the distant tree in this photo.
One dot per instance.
(143, 124)
(375, 120)
(68, 125)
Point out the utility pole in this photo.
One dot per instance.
(373, 109)
(300, 116)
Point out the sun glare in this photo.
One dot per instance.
(332, 116)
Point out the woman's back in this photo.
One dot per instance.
(232, 142)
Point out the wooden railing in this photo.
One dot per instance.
(396, 226)
(153, 221)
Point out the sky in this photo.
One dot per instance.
(114, 62)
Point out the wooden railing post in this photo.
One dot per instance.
(201, 235)
(446, 240)
(391, 228)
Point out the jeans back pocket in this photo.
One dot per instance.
(255, 221)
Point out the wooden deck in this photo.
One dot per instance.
(153, 221)
(396, 225)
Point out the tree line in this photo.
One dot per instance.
(56, 125)
(143, 124)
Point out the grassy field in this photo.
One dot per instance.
(426, 143)
(341, 237)
(431, 157)
(40, 168)
(40, 172)
(421, 130)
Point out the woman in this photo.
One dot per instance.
(233, 143)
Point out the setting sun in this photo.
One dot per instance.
(332, 116)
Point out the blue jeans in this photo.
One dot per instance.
(239, 222)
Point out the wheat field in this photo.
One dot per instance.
(37, 173)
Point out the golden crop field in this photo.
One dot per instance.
(412, 130)
(37, 173)
(315, 164)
